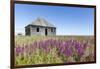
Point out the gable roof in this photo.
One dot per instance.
(41, 22)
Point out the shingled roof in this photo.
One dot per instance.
(41, 22)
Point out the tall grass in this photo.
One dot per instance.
(56, 49)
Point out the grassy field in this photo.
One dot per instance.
(31, 50)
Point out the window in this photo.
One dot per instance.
(37, 29)
(51, 29)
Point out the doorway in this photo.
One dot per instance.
(46, 32)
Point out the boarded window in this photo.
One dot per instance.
(37, 29)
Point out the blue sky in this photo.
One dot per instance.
(68, 20)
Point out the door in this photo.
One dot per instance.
(46, 32)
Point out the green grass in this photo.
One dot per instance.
(39, 56)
